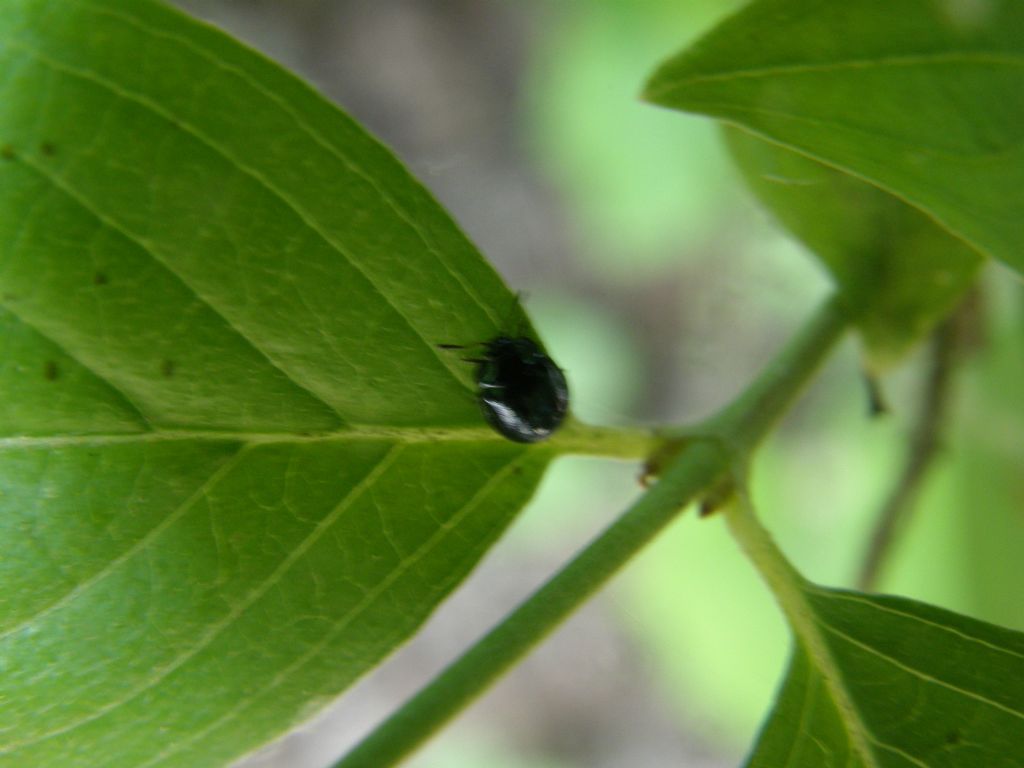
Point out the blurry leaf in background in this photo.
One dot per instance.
(898, 269)
(231, 451)
(641, 187)
(992, 487)
(924, 99)
(969, 530)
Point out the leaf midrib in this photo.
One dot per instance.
(789, 587)
(398, 434)
(804, 622)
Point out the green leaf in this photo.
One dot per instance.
(921, 98)
(899, 271)
(887, 682)
(236, 470)
(884, 682)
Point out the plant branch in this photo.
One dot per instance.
(473, 672)
(924, 447)
(700, 465)
(608, 442)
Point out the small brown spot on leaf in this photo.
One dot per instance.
(50, 370)
(48, 148)
(7, 152)
(100, 278)
(167, 368)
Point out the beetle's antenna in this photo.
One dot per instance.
(517, 302)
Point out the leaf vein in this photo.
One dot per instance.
(14, 247)
(906, 60)
(1009, 150)
(155, 109)
(87, 366)
(900, 752)
(343, 622)
(809, 695)
(850, 597)
(217, 628)
(918, 673)
(61, 185)
(135, 549)
(315, 135)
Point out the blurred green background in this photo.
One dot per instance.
(661, 289)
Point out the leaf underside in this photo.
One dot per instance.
(176, 602)
(898, 270)
(236, 470)
(923, 99)
(904, 685)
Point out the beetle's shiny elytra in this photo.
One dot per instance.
(523, 394)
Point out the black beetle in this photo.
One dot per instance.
(523, 394)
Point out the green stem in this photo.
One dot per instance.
(781, 577)
(700, 465)
(745, 421)
(469, 675)
(608, 442)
